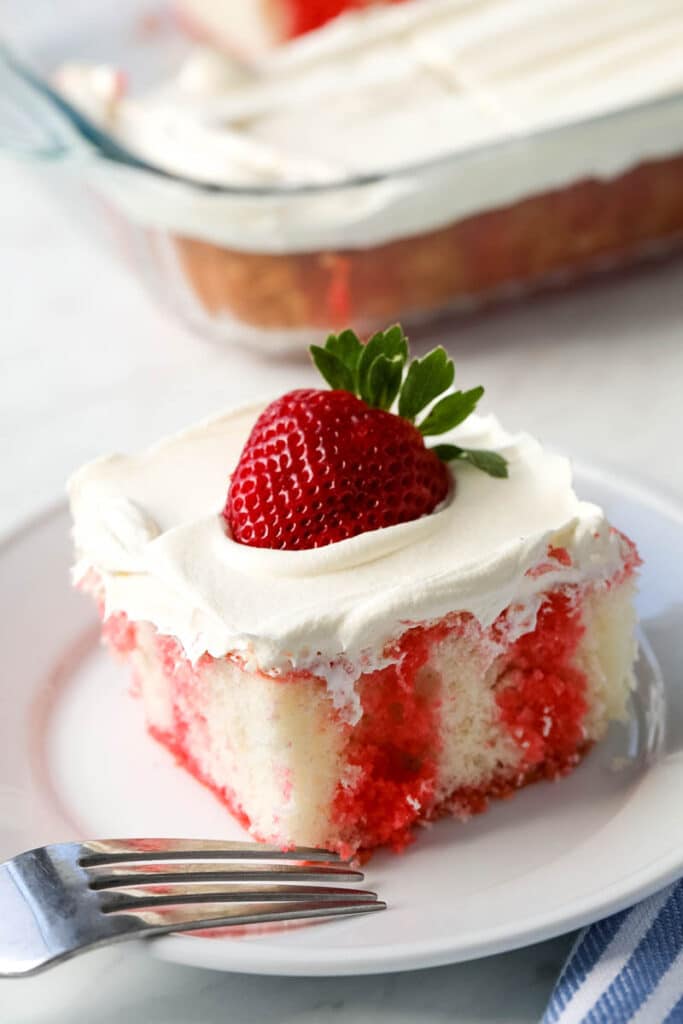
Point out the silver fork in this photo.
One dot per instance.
(60, 900)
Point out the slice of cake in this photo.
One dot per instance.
(366, 633)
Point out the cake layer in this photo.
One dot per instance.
(597, 224)
(458, 715)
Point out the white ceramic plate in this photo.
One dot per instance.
(75, 761)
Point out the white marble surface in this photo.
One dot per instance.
(89, 364)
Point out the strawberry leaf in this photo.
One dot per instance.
(374, 373)
(447, 452)
(335, 372)
(426, 379)
(489, 462)
(450, 411)
(346, 346)
(384, 381)
(390, 344)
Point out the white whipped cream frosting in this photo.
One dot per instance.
(150, 526)
(384, 90)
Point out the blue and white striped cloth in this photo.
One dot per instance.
(627, 969)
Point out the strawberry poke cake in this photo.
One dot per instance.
(353, 610)
(368, 160)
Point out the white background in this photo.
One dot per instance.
(88, 365)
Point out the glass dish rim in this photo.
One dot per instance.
(360, 181)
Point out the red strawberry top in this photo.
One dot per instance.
(305, 15)
(321, 466)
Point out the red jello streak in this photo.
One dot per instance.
(555, 557)
(630, 556)
(173, 744)
(543, 703)
(184, 679)
(393, 749)
(119, 632)
(396, 744)
(339, 288)
(560, 555)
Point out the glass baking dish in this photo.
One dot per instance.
(274, 268)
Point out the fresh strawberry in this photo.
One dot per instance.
(323, 466)
(305, 15)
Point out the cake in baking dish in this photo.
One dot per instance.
(355, 610)
(396, 160)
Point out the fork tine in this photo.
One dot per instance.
(113, 851)
(134, 897)
(104, 876)
(214, 915)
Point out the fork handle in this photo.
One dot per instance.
(24, 953)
